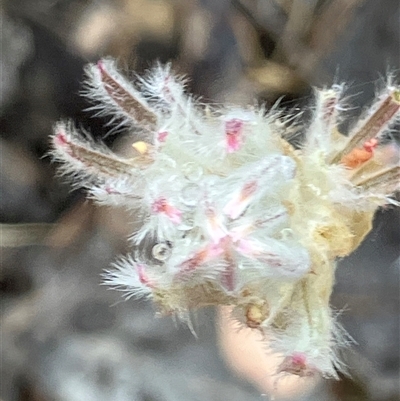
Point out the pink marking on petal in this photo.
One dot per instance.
(248, 190)
(194, 261)
(62, 142)
(162, 136)
(162, 206)
(234, 134)
(143, 277)
(247, 248)
(208, 253)
(234, 126)
(158, 205)
(299, 358)
(297, 364)
(100, 66)
(216, 250)
(111, 191)
(60, 139)
(233, 143)
(174, 214)
(239, 203)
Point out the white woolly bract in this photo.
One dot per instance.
(83, 159)
(113, 95)
(319, 342)
(231, 213)
(113, 192)
(126, 277)
(163, 90)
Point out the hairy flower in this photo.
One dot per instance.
(238, 216)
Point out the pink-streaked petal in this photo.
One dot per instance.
(233, 143)
(194, 261)
(216, 250)
(174, 214)
(248, 248)
(60, 139)
(234, 126)
(162, 136)
(143, 277)
(207, 254)
(241, 200)
(161, 205)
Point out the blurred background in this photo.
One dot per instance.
(64, 337)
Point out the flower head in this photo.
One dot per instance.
(239, 216)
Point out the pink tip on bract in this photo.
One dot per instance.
(60, 139)
(143, 277)
(100, 66)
